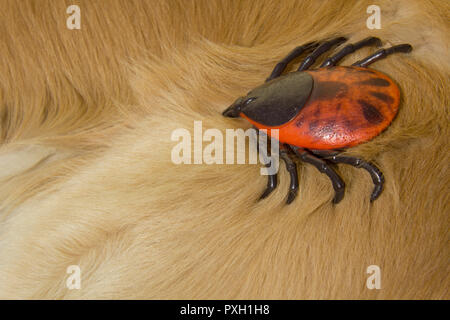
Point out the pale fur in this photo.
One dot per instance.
(87, 178)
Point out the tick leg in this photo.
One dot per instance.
(375, 173)
(350, 49)
(322, 166)
(272, 178)
(325, 46)
(291, 167)
(271, 185)
(383, 53)
(281, 66)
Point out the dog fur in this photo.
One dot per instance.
(86, 178)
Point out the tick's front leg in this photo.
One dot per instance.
(291, 167)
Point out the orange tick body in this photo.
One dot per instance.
(320, 112)
(346, 106)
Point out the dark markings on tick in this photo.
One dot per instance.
(326, 90)
(349, 124)
(382, 96)
(299, 121)
(313, 125)
(329, 129)
(317, 112)
(371, 113)
(378, 82)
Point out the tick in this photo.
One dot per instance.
(321, 112)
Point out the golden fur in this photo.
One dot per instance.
(86, 178)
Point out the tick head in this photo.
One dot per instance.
(275, 102)
(236, 108)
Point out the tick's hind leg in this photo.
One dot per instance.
(375, 173)
(322, 166)
(350, 48)
(383, 53)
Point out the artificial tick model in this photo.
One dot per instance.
(320, 112)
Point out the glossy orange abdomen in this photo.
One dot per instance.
(347, 106)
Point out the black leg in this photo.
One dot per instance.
(291, 167)
(383, 53)
(271, 178)
(271, 184)
(280, 66)
(350, 49)
(322, 166)
(325, 46)
(375, 173)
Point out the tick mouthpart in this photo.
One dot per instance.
(230, 112)
(234, 110)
